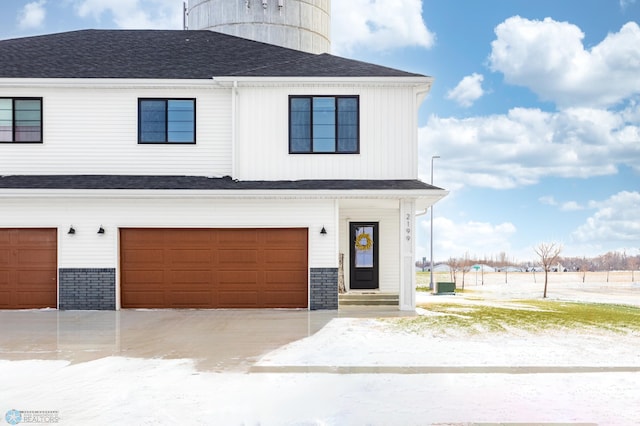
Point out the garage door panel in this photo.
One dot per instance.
(279, 279)
(237, 237)
(142, 256)
(190, 277)
(238, 259)
(233, 279)
(143, 277)
(35, 237)
(189, 299)
(144, 299)
(216, 268)
(28, 268)
(190, 256)
(284, 258)
(5, 257)
(238, 299)
(39, 299)
(6, 300)
(187, 237)
(31, 277)
(284, 299)
(288, 236)
(35, 257)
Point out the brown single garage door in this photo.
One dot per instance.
(28, 268)
(213, 268)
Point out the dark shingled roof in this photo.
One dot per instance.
(168, 54)
(198, 183)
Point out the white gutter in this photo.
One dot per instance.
(105, 82)
(425, 194)
(234, 106)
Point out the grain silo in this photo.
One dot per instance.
(296, 24)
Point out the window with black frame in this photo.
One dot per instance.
(170, 121)
(21, 120)
(324, 124)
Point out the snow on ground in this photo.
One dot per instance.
(118, 390)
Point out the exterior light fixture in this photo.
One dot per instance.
(101, 230)
(323, 231)
(72, 230)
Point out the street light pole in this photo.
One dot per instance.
(431, 284)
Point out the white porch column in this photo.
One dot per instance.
(407, 255)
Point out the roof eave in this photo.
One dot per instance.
(424, 194)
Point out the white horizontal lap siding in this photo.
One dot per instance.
(86, 248)
(388, 243)
(95, 131)
(388, 136)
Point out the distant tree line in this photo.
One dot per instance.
(611, 261)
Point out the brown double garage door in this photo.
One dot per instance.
(214, 268)
(28, 268)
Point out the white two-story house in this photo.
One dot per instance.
(193, 169)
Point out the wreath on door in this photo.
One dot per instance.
(364, 242)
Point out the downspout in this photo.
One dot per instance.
(234, 105)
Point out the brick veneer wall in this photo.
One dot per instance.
(324, 288)
(87, 288)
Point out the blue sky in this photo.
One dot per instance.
(535, 108)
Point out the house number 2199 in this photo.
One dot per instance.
(408, 237)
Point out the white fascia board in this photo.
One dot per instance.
(418, 81)
(427, 195)
(422, 84)
(106, 83)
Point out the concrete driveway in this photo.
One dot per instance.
(219, 340)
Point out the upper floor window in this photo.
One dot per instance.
(21, 120)
(166, 121)
(324, 124)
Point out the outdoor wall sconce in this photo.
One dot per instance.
(101, 230)
(72, 230)
(323, 231)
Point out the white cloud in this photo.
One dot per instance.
(468, 90)
(617, 219)
(626, 3)
(571, 206)
(475, 238)
(377, 25)
(32, 15)
(550, 58)
(567, 206)
(134, 14)
(523, 146)
(548, 200)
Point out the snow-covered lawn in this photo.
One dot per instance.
(391, 376)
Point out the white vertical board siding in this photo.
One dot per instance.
(95, 131)
(86, 248)
(388, 243)
(388, 136)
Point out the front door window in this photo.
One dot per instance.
(364, 247)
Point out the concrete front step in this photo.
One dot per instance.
(368, 299)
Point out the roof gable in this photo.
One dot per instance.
(168, 54)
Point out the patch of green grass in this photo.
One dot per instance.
(530, 316)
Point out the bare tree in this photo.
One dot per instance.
(454, 264)
(548, 253)
(466, 266)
